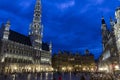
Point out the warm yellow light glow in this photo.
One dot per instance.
(70, 68)
(52, 69)
(15, 67)
(41, 68)
(92, 69)
(3, 59)
(116, 67)
(79, 65)
(84, 69)
(46, 69)
(76, 65)
(63, 68)
(104, 68)
(101, 69)
(29, 68)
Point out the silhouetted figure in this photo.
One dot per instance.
(82, 78)
(60, 78)
(54, 78)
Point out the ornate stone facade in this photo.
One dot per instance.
(109, 60)
(20, 53)
(65, 61)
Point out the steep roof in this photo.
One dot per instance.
(20, 38)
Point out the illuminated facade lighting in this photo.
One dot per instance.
(27, 53)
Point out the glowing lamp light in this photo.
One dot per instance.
(52, 69)
(3, 59)
(63, 68)
(29, 68)
(116, 67)
(15, 68)
(41, 68)
(69, 68)
(92, 69)
(84, 69)
(101, 69)
(46, 69)
(105, 68)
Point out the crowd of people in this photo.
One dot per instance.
(92, 76)
(97, 76)
(61, 76)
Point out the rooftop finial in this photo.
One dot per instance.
(103, 20)
(8, 21)
(118, 8)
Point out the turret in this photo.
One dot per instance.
(50, 47)
(117, 14)
(103, 27)
(6, 30)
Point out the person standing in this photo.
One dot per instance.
(60, 78)
(82, 78)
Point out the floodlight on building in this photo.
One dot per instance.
(92, 69)
(69, 68)
(3, 59)
(84, 69)
(116, 67)
(29, 68)
(52, 69)
(101, 69)
(46, 69)
(63, 68)
(15, 67)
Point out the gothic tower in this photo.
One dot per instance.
(36, 28)
(104, 32)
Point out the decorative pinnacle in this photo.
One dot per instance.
(103, 20)
(8, 22)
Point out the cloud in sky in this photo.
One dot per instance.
(66, 4)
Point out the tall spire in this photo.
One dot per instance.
(111, 23)
(37, 12)
(36, 27)
(104, 27)
(50, 47)
(103, 20)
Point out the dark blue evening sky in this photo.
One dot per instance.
(73, 25)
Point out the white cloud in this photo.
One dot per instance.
(66, 5)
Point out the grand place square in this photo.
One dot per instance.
(55, 46)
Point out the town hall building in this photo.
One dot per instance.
(20, 53)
